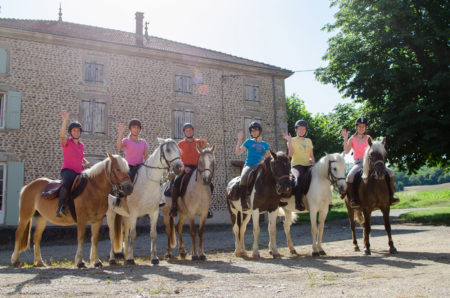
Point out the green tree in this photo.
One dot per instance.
(394, 58)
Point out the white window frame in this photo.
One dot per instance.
(2, 110)
(185, 116)
(3, 193)
(251, 93)
(89, 125)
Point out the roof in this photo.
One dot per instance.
(74, 30)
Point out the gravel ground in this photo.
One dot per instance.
(420, 269)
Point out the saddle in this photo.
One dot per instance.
(234, 192)
(183, 185)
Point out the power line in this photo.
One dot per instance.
(305, 70)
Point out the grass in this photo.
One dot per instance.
(439, 216)
(421, 199)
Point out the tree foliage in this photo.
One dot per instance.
(393, 57)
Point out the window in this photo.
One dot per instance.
(2, 110)
(93, 115)
(251, 93)
(180, 117)
(94, 72)
(247, 121)
(182, 84)
(2, 191)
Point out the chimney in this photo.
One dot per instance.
(139, 29)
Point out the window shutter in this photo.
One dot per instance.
(3, 61)
(188, 117)
(13, 105)
(178, 84)
(86, 115)
(247, 92)
(188, 84)
(14, 184)
(178, 124)
(255, 93)
(100, 73)
(99, 117)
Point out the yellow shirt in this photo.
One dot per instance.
(302, 152)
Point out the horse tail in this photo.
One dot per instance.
(172, 238)
(359, 217)
(24, 238)
(117, 233)
(281, 212)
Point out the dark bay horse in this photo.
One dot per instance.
(90, 206)
(373, 193)
(271, 181)
(195, 202)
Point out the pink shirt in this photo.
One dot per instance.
(73, 155)
(359, 148)
(134, 151)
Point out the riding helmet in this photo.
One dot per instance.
(187, 125)
(255, 124)
(135, 122)
(301, 123)
(74, 124)
(361, 120)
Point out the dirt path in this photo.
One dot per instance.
(422, 268)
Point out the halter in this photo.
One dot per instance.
(161, 157)
(200, 171)
(115, 186)
(333, 179)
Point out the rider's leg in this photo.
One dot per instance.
(390, 180)
(297, 172)
(63, 198)
(351, 192)
(243, 186)
(175, 195)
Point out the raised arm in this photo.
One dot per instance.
(287, 137)
(120, 129)
(347, 142)
(239, 147)
(62, 131)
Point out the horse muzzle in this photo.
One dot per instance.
(178, 167)
(342, 187)
(283, 190)
(127, 188)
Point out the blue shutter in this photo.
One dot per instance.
(3, 61)
(13, 105)
(86, 115)
(14, 183)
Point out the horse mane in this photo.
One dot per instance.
(377, 146)
(99, 167)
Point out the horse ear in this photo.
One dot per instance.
(343, 154)
(213, 147)
(109, 155)
(369, 141)
(383, 141)
(160, 141)
(274, 155)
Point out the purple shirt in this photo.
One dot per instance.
(134, 151)
(73, 156)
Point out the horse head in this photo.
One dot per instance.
(280, 167)
(169, 153)
(336, 171)
(118, 174)
(374, 160)
(205, 165)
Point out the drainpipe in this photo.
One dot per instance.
(139, 29)
(275, 113)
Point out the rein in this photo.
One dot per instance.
(115, 186)
(200, 171)
(161, 157)
(333, 179)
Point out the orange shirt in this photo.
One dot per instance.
(189, 154)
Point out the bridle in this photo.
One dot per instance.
(373, 164)
(333, 179)
(162, 156)
(278, 179)
(118, 185)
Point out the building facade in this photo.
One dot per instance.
(103, 77)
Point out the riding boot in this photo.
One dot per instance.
(243, 195)
(351, 196)
(390, 182)
(299, 201)
(210, 213)
(175, 195)
(63, 197)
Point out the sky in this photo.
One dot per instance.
(283, 33)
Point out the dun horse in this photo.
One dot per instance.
(373, 193)
(144, 200)
(195, 202)
(90, 206)
(272, 181)
(330, 170)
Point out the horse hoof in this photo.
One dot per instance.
(155, 261)
(118, 255)
(98, 264)
(315, 254)
(276, 256)
(202, 258)
(17, 264)
(112, 262)
(81, 265)
(130, 262)
(168, 256)
(322, 253)
(39, 264)
(183, 255)
(194, 258)
(256, 255)
(356, 248)
(367, 252)
(393, 250)
(293, 252)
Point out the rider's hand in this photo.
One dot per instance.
(65, 115)
(287, 136)
(86, 164)
(240, 135)
(121, 128)
(187, 170)
(344, 133)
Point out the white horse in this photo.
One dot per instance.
(144, 200)
(330, 170)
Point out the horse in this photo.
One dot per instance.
(330, 170)
(144, 200)
(269, 182)
(373, 193)
(90, 206)
(195, 202)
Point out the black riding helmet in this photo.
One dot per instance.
(187, 125)
(73, 125)
(255, 124)
(361, 120)
(304, 124)
(134, 122)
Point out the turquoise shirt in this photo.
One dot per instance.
(255, 151)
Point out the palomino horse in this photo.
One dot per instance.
(330, 170)
(373, 193)
(90, 206)
(272, 181)
(144, 200)
(195, 202)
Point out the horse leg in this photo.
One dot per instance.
(313, 220)
(237, 222)
(126, 237)
(256, 231)
(193, 232)
(41, 222)
(115, 232)
(351, 219)
(287, 230)
(81, 230)
(153, 221)
(272, 226)
(366, 232)
(387, 227)
(132, 235)
(322, 217)
(95, 229)
(180, 223)
(169, 224)
(201, 231)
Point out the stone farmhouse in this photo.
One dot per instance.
(103, 77)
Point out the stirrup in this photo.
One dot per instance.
(394, 201)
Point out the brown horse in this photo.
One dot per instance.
(373, 193)
(90, 206)
(195, 202)
(272, 181)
